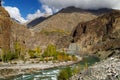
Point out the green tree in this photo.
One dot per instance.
(65, 74)
(38, 51)
(32, 54)
(17, 48)
(50, 51)
(8, 56)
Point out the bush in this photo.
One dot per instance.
(50, 51)
(76, 70)
(0, 56)
(8, 56)
(32, 54)
(65, 74)
(17, 48)
(36, 53)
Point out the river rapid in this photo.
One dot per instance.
(51, 74)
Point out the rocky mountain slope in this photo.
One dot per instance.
(12, 32)
(100, 34)
(19, 34)
(35, 22)
(57, 27)
(5, 25)
(61, 24)
(67, 19)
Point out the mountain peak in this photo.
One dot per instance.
(72, 9)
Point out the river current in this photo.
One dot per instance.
(51, 74)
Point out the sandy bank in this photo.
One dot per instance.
(19, 69)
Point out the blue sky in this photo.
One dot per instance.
(25, 6)
(26, 10)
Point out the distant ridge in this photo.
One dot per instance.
(35, 22)
(74, 9)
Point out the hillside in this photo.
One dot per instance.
(64, 20)
(5, 25)
(68, 18)
(19, 34)
(95, 32)
(62, 24)
(100, 36)
(35, 22)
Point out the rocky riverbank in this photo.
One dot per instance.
(108, 69)
(7, 71)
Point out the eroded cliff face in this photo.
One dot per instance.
(75, 15)
(5, 24)
(100, 34)
(59, 25)
(19, 34)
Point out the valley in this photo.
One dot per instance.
(59, 44)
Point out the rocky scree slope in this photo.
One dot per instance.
(108, 69)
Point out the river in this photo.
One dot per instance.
(51, 74)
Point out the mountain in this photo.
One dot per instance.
(14, 20)
(35, 22)
(61, 24)
(100, 36)
(5, 24)
(56, 29)
(12, 32)
(68, 18)
(19, 34)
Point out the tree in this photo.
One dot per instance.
(38, 51)
(50, 51)
(32, 54)
(65, 74)
(17, 48)
(8, 56)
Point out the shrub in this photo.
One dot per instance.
(32, 54)
(17, 48)
(76, 70)
(8, 56)
(50, 51)
(36, 53)
(65, 74)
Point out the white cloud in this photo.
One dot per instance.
(38, 13)
(15, 13)
(47, 9)
(84, 4)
